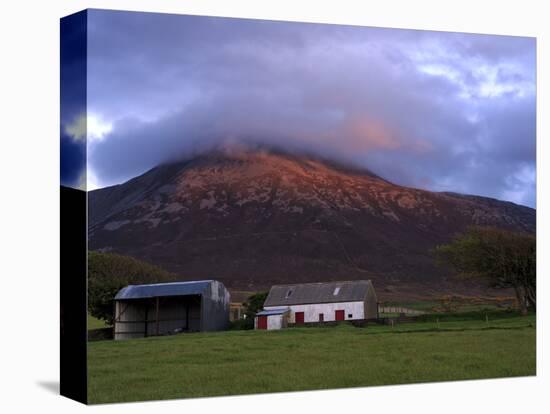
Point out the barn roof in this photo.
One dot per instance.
(163, 289)
(268, 312)
(307, 293)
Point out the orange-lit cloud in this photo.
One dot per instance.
(367, 134)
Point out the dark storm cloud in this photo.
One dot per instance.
(442, 111)
(73, 55)
(72, 161)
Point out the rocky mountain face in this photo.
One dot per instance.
(253, 218)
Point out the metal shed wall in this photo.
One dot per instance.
(215, 307)
(128, 325)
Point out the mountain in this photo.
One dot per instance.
(254, 218)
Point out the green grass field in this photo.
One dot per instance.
(94, 323)
(436, 348)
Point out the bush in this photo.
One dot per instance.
(242, 324)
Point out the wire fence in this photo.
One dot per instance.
(399, 310)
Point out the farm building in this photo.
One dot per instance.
(318, 302)
(236, 311)
(276, 318)
(165, 308)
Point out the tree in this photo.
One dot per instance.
(253, 305)
(505, 259)
(108, 273)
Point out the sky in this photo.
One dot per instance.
(433, 110)
(73, 58)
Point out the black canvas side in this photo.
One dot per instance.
(73, 206)
(73, 373)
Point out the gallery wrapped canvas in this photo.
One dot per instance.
(253, 206)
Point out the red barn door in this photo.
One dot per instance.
(340, 315)
(299, 318)
(262, 322)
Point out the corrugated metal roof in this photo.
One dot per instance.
(350, 291)
(163, 289)
(269, 312)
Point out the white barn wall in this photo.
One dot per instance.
(278, 321)
(312, 311)
(275, 322)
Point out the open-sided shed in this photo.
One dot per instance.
(165, 308)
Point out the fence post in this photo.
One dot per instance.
(157, 314)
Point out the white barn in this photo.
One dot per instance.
(318, 302)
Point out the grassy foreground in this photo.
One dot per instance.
(243, 362)
(94, 323)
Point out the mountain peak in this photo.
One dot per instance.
(265, 158)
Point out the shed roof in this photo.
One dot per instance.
(269, 312)
(163, 289)
(308, 293)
